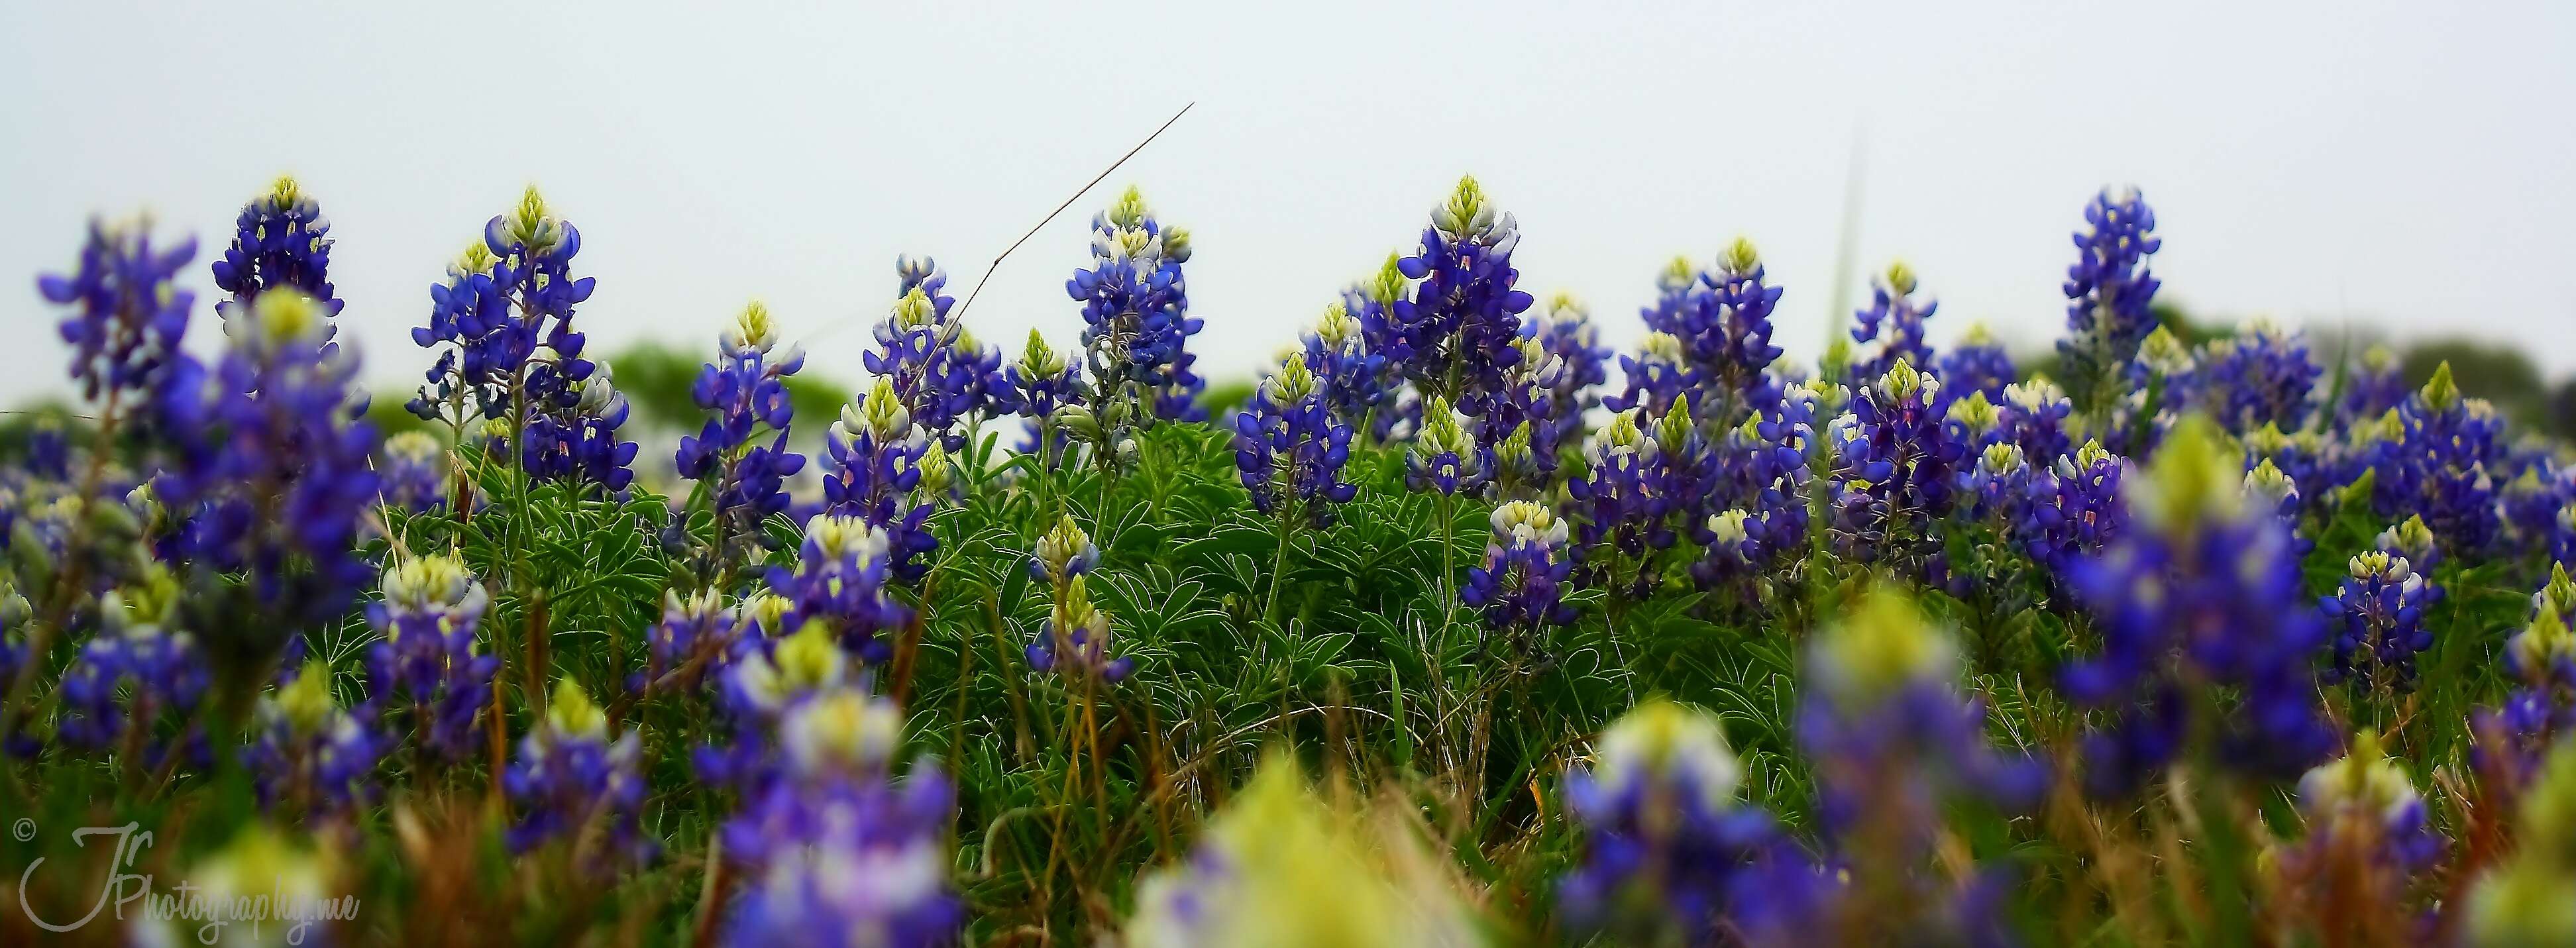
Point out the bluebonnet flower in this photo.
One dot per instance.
(1354, 382)
(1064, 553)
(1668, 850)
(1894, 744)
(2540, 709)
(503, 300)
(1445, 457)
(1452, 334)
(1889, 729)
(2033, 414)
(2301, 457)
(1526, 450)
(311, 756)
(2267, 487)
(773, 676)
(280, 240)
(275, 465)
(428, 670)
(696, 636)
(1998, 487)
(835, 850)
(1036, 387)
(1275, 854)
(2075, 511)
(839, 579)
(1894, 320)
(2532, 504)
(1289, 447)
(127, 312)
(412, 473)
(2263, 376)
(570, 780)
(1976, 365)
(1762, 472)
(136, 686)
(1896, 463)
(2368, 840)
(1974, 421)
(1719, 321)
(941, 374)
(1655, 377)
(2378, 621)
(2374, 386)
(1520, 585)
(2202, 592)
(746, 392)
(876, 455)
(1135, 310)
(1567, 333)
(2440, 467)
(2413, 539)
(1621, 500)
(576, 438)
(1078, 633)
(2110, 289)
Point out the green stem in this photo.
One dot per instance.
(1279, 561)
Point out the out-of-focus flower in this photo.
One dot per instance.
(2109, 289)
(2203, 591)
(2523, 903)
(1668, 850)
(1978, 364)
(428, 670)
(127, 312)
(413, 471)
(1273, 856)
(570, 779)
(839, 579)
(311, 755)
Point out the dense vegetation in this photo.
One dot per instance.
(1458, 628)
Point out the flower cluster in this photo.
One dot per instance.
(429, 672)
(2368, 839)
(839, 580)
(2202, 592)
(1453, 334)
(1894, 320)
(412, 472)
(745, 392)
(1290, 448)
(570, 779)
(1976, 365)
(2378, 621)
(1896, 462)
(311, 754)
(1135, 310)
(1519, 584)
(2263, 376)
(127, 312)
(1669, 853)
(877, 461)
(280, 240)
(2110, 290)
(274, 462)
(938, 370)
(1075, 638)
(835, 849)
(1718, 323)
(135, 688)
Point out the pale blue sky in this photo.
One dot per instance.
(2401, 165)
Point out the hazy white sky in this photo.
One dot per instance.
(2404, 165)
